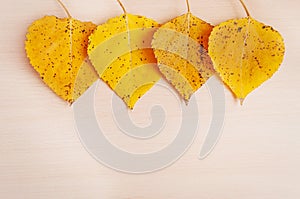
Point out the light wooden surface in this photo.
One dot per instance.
(258, 155)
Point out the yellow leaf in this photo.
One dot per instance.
(57, 49)
(245, 53)
(180, 47)
(121, 53)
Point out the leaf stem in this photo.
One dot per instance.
(245, 8)
(188, 6)
(122, 6)
(65, 8)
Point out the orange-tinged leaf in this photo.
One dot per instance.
(245, 53)
(57, 49)
(121, 53)
(180, 47)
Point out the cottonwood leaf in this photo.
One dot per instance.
(245, 53)
(57, 50)
(180, 47)
(120, 50)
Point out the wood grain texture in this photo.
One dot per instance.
(41, 156)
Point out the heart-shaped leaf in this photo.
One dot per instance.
(180, 47)
(245, 53)
(121, 53)
(57, 49)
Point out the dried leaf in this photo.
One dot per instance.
(57, 49)
(121, 53)
(180, 47)
(245, 53)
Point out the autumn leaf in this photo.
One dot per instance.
(245, 53)
(180, 47)
(121, 53)
(57, 50)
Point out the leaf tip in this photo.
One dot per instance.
(242, 101)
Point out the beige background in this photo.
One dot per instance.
(258, 155)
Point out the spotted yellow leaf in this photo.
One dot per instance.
(245, 53)
(57, 49)
(121, 53)
(180, 47)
